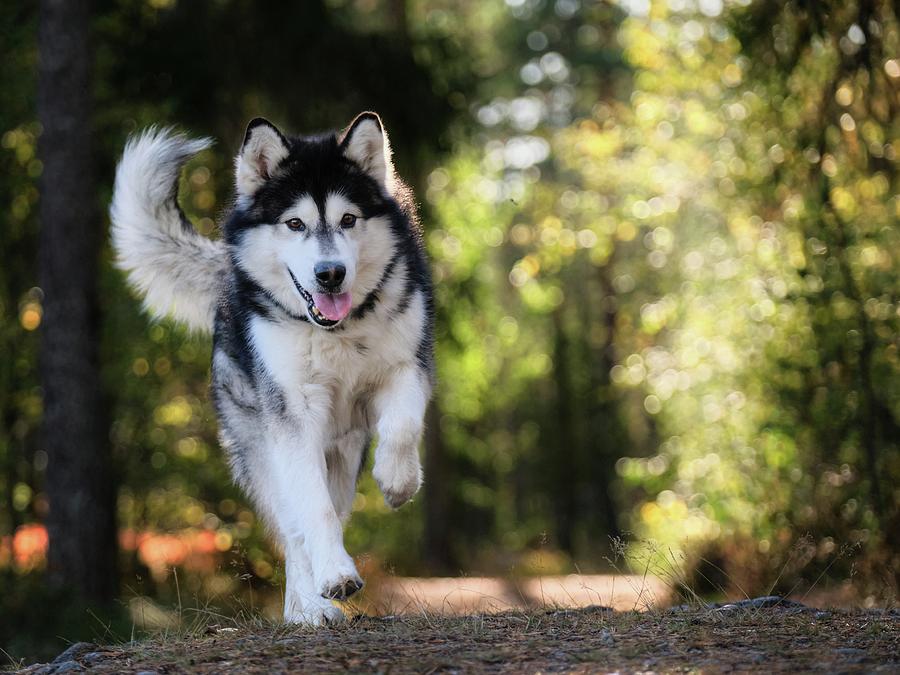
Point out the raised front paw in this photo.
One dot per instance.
(399, 475)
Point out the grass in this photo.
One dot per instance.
(778, 639)
(424, 637)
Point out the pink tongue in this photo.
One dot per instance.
(334, 307)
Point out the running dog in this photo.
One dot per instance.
(318, 296)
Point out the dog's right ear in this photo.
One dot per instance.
(263, 150)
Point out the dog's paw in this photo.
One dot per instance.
(342, 588)
(397, 497)
(338, 580)
(399, 475)
(312, 613)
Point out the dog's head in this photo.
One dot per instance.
(312, 224)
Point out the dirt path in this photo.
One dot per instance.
(746, 637)
(490, 595)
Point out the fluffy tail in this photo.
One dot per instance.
(178, 271)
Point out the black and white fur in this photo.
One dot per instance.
(299, 392)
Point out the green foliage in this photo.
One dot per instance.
(795, 435)
(722, 238)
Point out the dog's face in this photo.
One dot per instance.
(312, 223)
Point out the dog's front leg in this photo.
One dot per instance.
(307, 517)
(400, 408)
(302, 601)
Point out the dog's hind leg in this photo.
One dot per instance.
(344, 465)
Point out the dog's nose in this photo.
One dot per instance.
(330, 274)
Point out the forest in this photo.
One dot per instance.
(664, 238)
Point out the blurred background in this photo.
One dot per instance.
(664, 237)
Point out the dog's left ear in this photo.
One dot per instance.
(263, 150)
(366, 143)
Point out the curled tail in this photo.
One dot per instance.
(177, 270)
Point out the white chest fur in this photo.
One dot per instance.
(330, 372)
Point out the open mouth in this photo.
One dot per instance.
(325, 309)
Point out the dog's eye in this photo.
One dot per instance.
(348, 220)
(296, 224)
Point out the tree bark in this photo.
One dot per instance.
(438, 553)
(81, 521)
(608, 437)
(564, 455)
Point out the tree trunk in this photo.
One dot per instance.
(608, 436)
(438, 553)
(81, 521)
(567, 481)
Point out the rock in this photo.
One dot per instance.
(75, 651)
(37, 669)
(596, 609)
(765, 602)
(557, 655)
(686, 609)
(756, 657)
(67, 667)
(96, 658)
(852, 654)
(606, 637)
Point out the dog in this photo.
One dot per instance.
(318, 295)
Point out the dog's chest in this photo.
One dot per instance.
(308, 363)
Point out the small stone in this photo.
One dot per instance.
(95, 658)
(557, 655)
(597, 609)
(38, 669)
(680, 609)
(853, 655)
(606, 637)
(75, 651)
(772, 601)
(727, 608)
(765, 602)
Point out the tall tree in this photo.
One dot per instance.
(81, 522)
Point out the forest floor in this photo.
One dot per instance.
(753, 635)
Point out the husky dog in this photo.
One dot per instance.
(319, 299)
